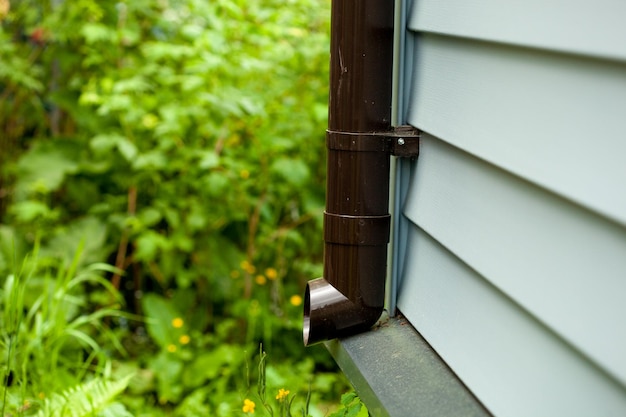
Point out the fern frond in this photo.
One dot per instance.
(85, 399)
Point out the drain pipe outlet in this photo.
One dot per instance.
(349, 298)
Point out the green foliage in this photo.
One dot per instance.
(189, 136)
(93, 398)
(181, 141)
(351, 406)
(53, 333)
(285, 394)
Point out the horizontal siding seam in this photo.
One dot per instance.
(618, 222)
(587, 54)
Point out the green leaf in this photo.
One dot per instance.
(121, 103)
(351, 406)
(153, 160)
(136, 84)
(294, 171)
(148, 245)
(208, 160)
(127, 149)
(149, 216)
(44, 167)
(104, 142)
(97, 32)
(160, 51)
(28, 211)
(216, 183)
(363, 412)
(160, 315)
(207, 366)
(115, 410)
(353, 410)
(348, 397)
(87, 233)
(168, 370)
(83, 400)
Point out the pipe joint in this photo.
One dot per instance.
(356, 230)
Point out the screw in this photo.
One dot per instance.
(400, 141)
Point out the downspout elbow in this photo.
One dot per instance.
(328, 313)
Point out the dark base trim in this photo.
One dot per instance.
(397, 374)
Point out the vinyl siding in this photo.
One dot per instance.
(593, 29)
(556, 120)
(515, 270)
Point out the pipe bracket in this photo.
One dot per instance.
(402, 142)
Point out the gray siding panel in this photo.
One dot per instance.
(512, 363)
(556, 120)
(594, 28)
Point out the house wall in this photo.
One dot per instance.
(515, 267)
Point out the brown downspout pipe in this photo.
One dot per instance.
(350, 296)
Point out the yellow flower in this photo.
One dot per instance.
(177, 323)
(41, 395)
(234, 274)
(248, 267)
(271, 273)
(184, 339)
(248, 406)
(244, 173)
(295, 300)
(282, 394)
(171, 348)
(260, 279)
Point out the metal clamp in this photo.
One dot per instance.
(402, 142)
